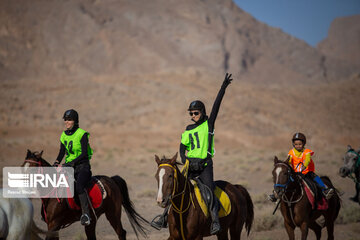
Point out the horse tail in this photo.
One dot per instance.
(136, 220)
(249, 208)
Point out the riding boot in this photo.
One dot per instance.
(215, 225)
(272, 197)
(85, 217)
(160, 221)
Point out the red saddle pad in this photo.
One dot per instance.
(322, 204)
(95, 194)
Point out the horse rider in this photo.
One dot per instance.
(74, 142)
(300, 160)
(198, 141)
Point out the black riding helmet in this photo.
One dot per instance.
(299, 136)
(72, 115)
(197, 105)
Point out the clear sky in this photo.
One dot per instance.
(305, 19)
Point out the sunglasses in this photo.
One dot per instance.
(194, 113)
(68, 119)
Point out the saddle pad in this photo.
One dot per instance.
(322, 204)
(95, 194)
(225, 207)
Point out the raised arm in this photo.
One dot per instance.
(219, 97)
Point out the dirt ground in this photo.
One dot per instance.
(250, 167)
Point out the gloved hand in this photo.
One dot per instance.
(56, 163)
(69, 164)
(227, 79)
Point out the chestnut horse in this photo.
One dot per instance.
(295, 206)
(186, 219)
(59, 215)
(351, 169)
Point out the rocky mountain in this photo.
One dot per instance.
(133, 64)
(343, 41)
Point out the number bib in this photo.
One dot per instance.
(73, 146)
(197, 141)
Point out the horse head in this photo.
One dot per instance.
(34, 159)
(350, 159)
(166, 177)
(282, 176)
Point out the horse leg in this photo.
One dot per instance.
(115, 221)
(330, 230)
(304, 230)
(317, 229)
(356, 197)
(290, 231)
(53, 226)
(223, 235)
(90, 231)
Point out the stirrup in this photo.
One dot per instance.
(85, 220)
(159, 222)
(328, 193)
(215, 228)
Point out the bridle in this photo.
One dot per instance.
(284, 198)
(285, 186)
(357, 165)
(175, 188)
(173, 195)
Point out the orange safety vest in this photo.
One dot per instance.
(298, 162)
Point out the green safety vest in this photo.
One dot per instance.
(197, 141)
(73, 146)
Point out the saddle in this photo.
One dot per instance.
(202, 191)
(314, 194)
(96, 193)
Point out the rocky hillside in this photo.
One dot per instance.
(343, 41)
(137, 64)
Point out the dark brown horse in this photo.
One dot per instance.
(351, 169)
(59, 215)
(295, 206)
(186, 219)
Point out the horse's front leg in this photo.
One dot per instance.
(357, 186)
(90, 231)
(304, 230)
(290, 230)
(53, 226)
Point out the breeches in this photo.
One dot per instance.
(82, 177)
(206, 176)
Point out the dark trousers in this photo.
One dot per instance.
(206, 175)
(82, 177)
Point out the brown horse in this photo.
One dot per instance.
(295, 206)
(351, 169)
(59, 215)
(186, 219)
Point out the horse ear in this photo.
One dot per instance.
(173, 159)
(157, 159)
(28, 154)
(276, 160)
(349, 147)
(41, 153)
